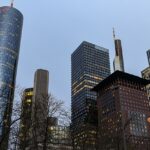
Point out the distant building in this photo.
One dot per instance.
(89, 65)
(52, 121)
(59, 137)
(26, 122)
(11, 21)
(37, 129)
(148, 56)
(118, 61)
(146, 75)
(123, 112)
(39, 107)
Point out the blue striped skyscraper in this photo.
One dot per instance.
(11, 21)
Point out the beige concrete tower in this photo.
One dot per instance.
(118, 61)
(39, 108)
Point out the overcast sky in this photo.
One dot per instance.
(53, 29)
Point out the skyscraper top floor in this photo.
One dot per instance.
(10, 10)
(90, 45)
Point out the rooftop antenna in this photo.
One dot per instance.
(114, 35)
(12, 3)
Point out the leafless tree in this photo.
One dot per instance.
(40, 125)
(53, 108)
(6, 123)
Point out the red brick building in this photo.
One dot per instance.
(123, 113)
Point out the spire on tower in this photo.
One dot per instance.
(114, 36)
(12, 3)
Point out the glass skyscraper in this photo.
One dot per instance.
(89, 65)
(11, 21)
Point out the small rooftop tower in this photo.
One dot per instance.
(114, 36)
(148, 56)
(118, 61)
(12, 3)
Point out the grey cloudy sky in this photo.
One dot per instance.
(54, 28)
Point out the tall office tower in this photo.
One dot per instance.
(148, 56)
(25, 122)
(118, 61)
(11, 21)
(123, 112)
(39, 108)
(89, 65)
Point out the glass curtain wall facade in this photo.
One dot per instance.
(89, 65)
(11, 21)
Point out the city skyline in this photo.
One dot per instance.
(68, 33)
